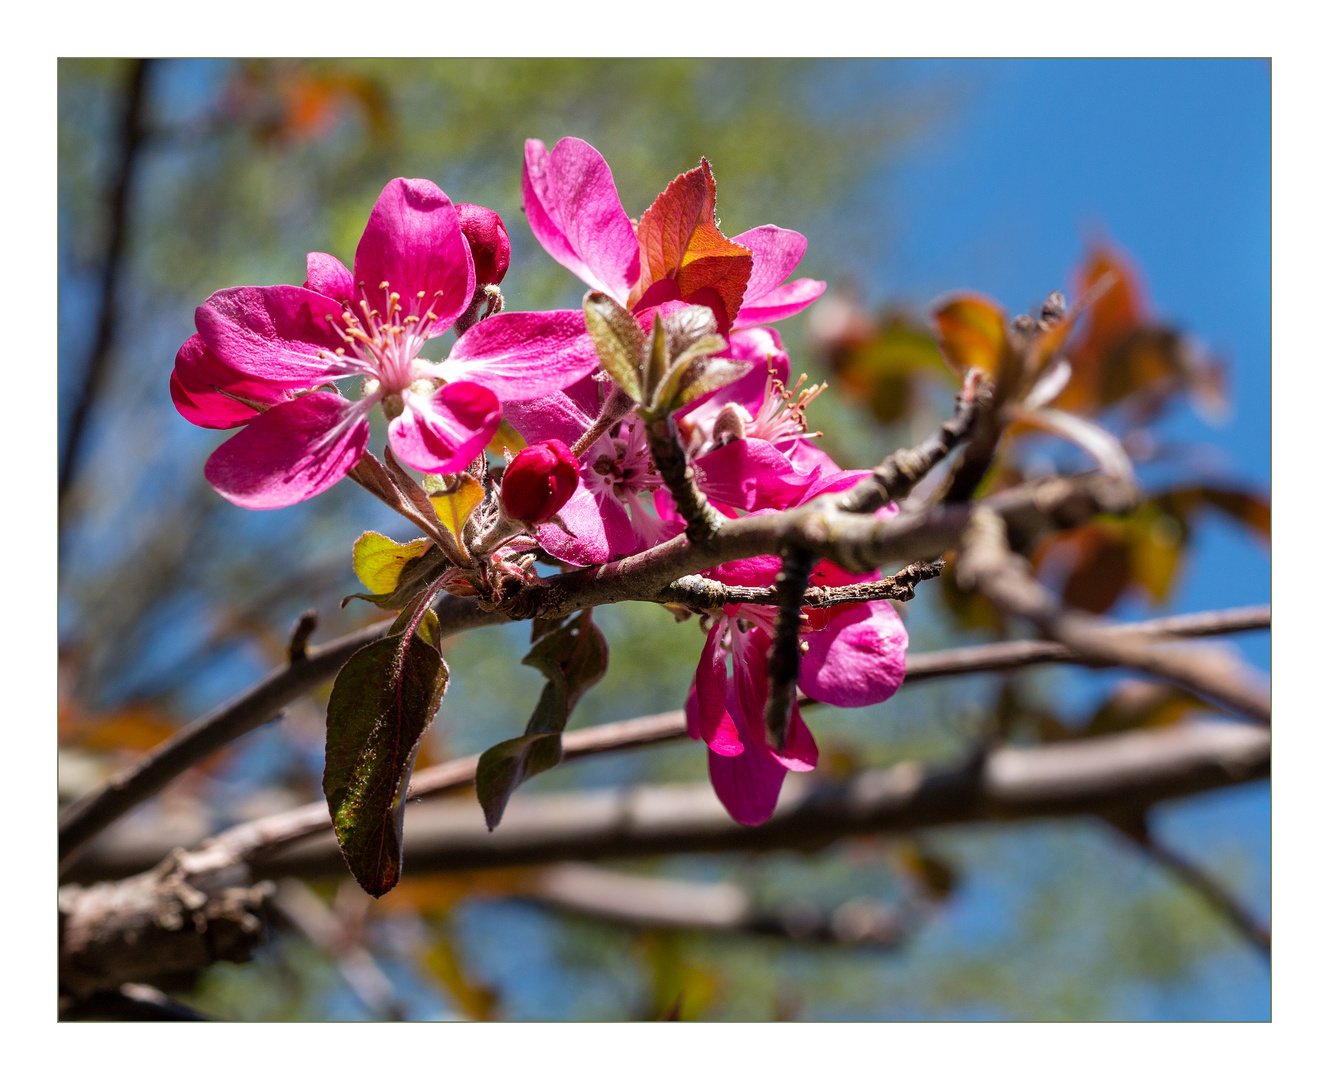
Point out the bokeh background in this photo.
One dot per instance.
(911, 180)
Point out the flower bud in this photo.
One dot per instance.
(488, 240)
(538, 481)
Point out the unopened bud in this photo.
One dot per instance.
(538, 481)
(488, 240)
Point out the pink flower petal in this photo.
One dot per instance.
(748, 786)
(552, 416)
(715, 725)
(280, 334)
(858, 659)
(291, 452)
(575, 212)
(775, 254)
(598, 529)
(414, 242)
(751, 474)
(780, 303)
(523, 355)
(197, 382)
(445, 432)
(326, 274)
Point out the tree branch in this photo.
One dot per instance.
(703, 520)
(83, 819)
(986, 564)
(896, 476)
(1092, 776)
(786, 652)
(266, 836)
(1136, 828)
(852, 540)
(659, 903)
(94, 376)
(1110, 775)
(707, 594)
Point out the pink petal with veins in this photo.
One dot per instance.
(714, 724)
(197, 384)
(523, 355)
(274, 334)
(780, 303)
(327, 275)
(290, 453)
(414, 242)
(858, 659)
(575, 212)
(445, 432)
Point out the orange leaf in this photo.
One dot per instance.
(680, 240)
(973, 334)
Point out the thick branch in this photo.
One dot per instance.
(651, 902)
(986, 564)
(86, 817)
(1093, 776)
(1112, 775)
(161, 922)
(266, 836)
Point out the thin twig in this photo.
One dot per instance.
(986, 564)
(671, 460)
(707, 594)
(266, 837)
(86, 817)
(1135, 826)
(785, 656)
(896, 476)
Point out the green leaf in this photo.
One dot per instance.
(379, 560)
(658, 361)
(706, 376)
(381, 703)
(689, 368)
(619, 341)
(572, 658)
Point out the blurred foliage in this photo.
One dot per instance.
(172, 600)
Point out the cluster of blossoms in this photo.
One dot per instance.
(587, 491)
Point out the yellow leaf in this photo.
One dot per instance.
(454, 503)
(379, 560)
(506, 439)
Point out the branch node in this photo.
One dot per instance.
(297, 648)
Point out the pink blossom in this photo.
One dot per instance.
(762, 460)
(855, 657)
(675, 252)
(269, 358)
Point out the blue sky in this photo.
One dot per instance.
(1028, 160)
